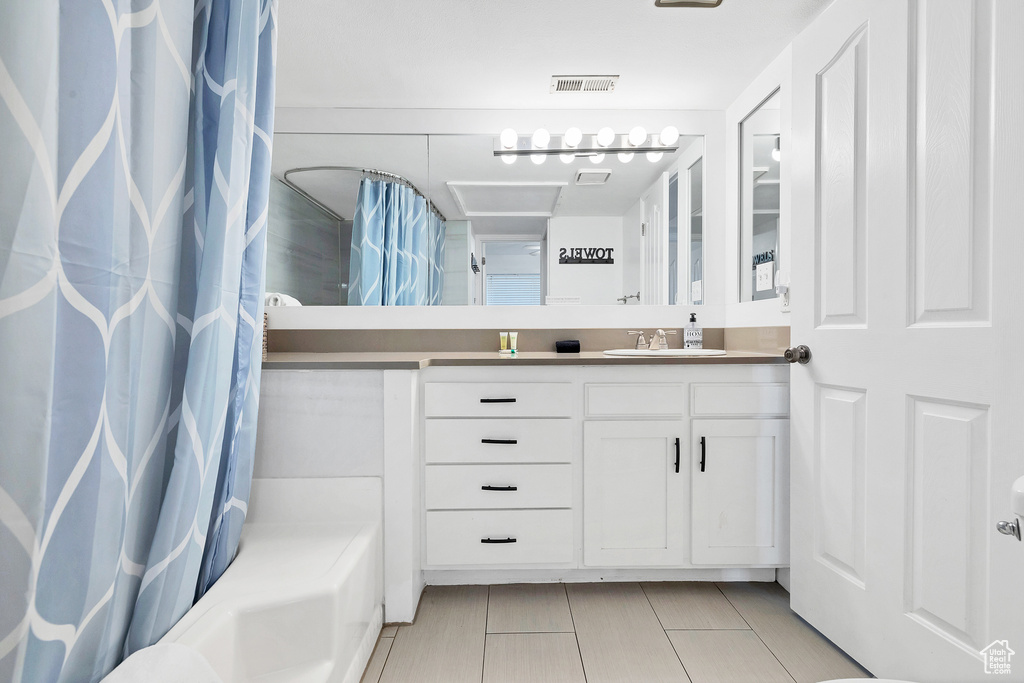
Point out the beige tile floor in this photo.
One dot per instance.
(607, 633)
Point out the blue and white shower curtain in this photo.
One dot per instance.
(397, 248)
(135, 137)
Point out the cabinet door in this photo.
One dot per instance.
(633, 496)
(740, 473)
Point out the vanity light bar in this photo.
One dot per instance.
(524, 148)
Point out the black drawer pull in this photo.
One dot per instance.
(703, 452)
(499, 488)
(510, 442)
(677, 455)
(497, 400)
(497, 540)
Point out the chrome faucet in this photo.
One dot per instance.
(641, 340)
(658, 340)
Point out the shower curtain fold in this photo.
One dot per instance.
(397, 242)
(132, 236)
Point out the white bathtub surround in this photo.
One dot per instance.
(164, 663)
(352, 424)
(303, 600)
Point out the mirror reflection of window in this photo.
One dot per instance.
(760, 143)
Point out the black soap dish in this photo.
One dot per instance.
(568, 346)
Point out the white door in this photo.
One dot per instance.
(635, 486)
(907, 242)
(740, 502)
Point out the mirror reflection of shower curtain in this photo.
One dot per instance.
(397, 248)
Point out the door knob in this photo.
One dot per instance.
(798, 354)
(1009, 528)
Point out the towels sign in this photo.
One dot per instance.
(589, 255)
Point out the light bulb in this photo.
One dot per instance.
(625, 157)
(605, 136)
(509, 138)
(597, 158)
(669, 136)
(538, 158)
(573, 137)
(541, 138)
(567, 158)
(655, 156)
(508, 158)
(638, 136)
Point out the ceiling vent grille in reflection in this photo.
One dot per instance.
(583, 83)
(596, 176)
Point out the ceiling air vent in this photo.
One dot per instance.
(583, 83)
(593, 176)
(687, 3)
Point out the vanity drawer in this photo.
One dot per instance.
(497, 399)
(498, 440)
(635, 400)
(741, 399)
(518, 537)
(507, 486)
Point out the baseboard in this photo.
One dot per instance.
(466, 577)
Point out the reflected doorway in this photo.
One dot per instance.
(512, 272)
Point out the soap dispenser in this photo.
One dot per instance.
(693, 335)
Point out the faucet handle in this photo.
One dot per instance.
(641, 340)
(658, 339)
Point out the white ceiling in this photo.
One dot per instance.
(493, 54)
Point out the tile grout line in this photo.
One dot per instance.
(487, 620)
(664, 631)
(568, 602)
(754, 630)
(385, 664)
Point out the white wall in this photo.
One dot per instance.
(593, 283)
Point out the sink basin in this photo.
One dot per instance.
(665, 353)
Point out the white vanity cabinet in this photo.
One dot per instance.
(498, 475)
(693, 473)
(591, 471)
(635, 496)
(740, 474)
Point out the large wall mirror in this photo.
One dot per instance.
(621, 228)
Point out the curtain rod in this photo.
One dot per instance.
(355, 169)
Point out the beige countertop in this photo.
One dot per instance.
(404, 360)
